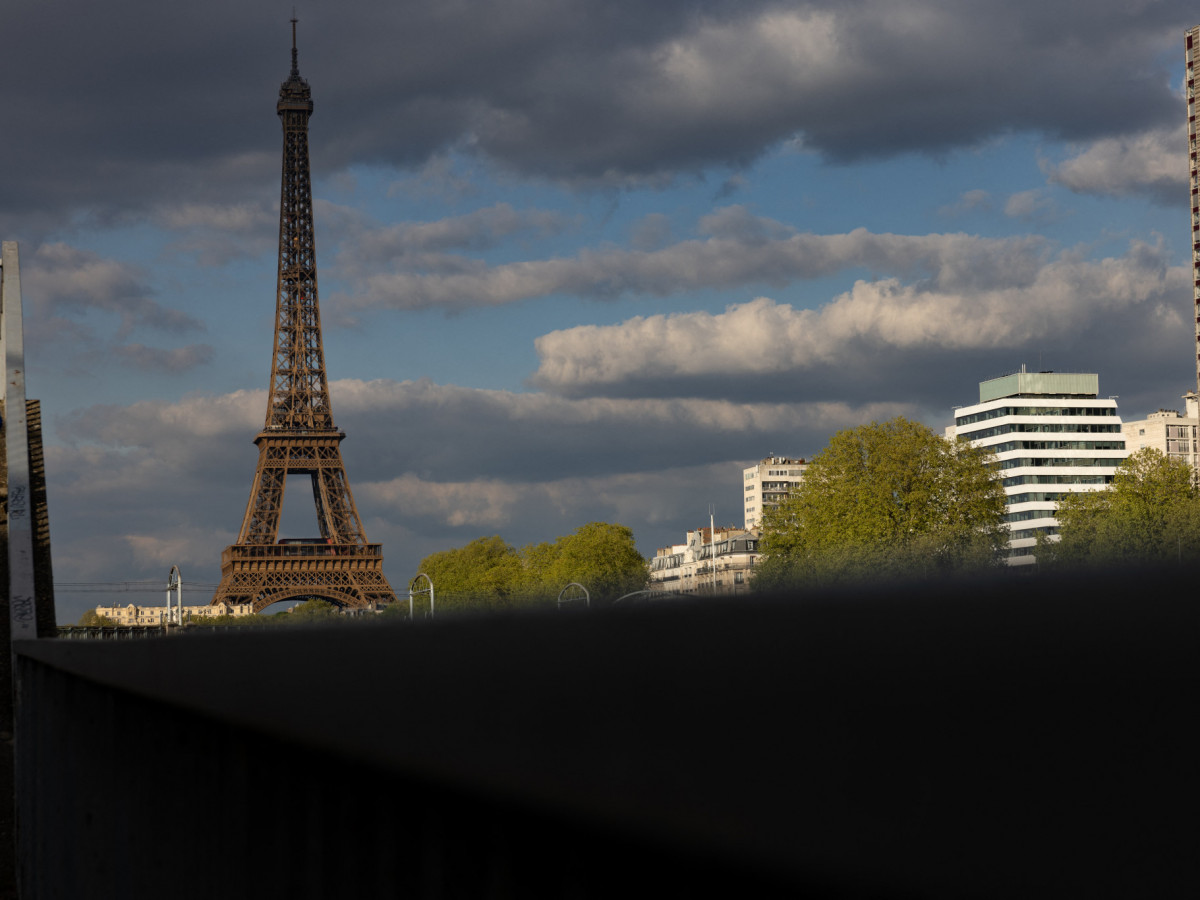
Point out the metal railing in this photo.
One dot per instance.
(245, 552)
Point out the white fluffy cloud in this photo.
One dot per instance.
(1153, 162)
(959, 309)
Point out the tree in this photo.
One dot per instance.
(93, 619)
(600, 556)
(487, 568)
(487, 572)
(1151, 513)
(886, 500)
(315, 610)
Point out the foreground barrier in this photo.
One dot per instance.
(941, 742)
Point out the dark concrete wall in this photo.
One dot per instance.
(1026, 738)
(43, 611)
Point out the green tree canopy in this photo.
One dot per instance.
(486, 567)
(1150, 513)
(315, 610)
(93, 619)
(603, 557)
(885, 500)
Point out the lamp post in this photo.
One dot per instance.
(586, 598)
(175, 584)
(413, 590)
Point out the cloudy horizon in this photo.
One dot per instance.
(578, 260)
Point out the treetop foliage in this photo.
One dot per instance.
(885, 500)
(93, 619)
(489, 572)
(1150, 513)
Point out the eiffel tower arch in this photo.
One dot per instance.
(299, 437)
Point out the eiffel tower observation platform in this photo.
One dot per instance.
(263, 574)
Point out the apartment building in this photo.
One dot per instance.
(768, 484)
(1052, 435)
(1168, 431)
(708, 562)
(133, 614)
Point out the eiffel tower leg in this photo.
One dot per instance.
(261, 522)
(333, 496)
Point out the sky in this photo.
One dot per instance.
(579, 260)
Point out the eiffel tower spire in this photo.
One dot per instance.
(299, 436)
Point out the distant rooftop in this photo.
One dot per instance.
(1024, 384)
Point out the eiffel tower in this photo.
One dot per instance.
(299, 436)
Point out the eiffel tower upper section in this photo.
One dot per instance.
(299, 399)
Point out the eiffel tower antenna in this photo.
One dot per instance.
(299, 437)
(295, 57)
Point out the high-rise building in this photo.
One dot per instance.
(768, 484)
(1192, 46)
(1052, 435)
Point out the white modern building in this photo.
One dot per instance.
(1052, 434)
(768, 484)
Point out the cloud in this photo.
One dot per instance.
(482, 229)
(239, 218)
(588, 92)
(968, 201)
(871, 333)
(651, 232)
(1030, 206)
(62, 281)
(738, 249)
(731, 186)
(215, 234)
(489, 505)
(1152, 163)
(443, 177)
(169, 361)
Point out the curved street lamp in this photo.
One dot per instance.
(412, 590)
(175, 584)
(586, 598)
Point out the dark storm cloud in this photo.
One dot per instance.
(112, 109)
(736, 249)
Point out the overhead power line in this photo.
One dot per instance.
(122, 587)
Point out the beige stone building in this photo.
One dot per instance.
(157, 615)
(1168, 431)
(768, 484)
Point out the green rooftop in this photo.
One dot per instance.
(1057, 384)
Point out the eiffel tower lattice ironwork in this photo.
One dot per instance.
(299, 436)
